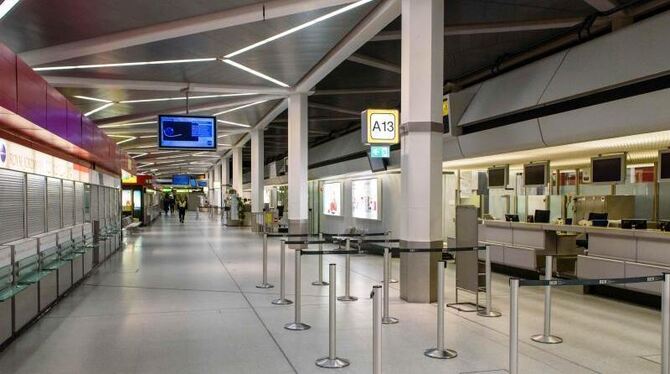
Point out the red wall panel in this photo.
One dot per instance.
(31, 94)
(56, 113)
(73, 125)
(7, 79)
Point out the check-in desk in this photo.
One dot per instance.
(523, 245)
(6, 292)
(64, 264)
(87, 229)
(47, 246)
(27, 275)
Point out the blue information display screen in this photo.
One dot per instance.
(186, 132)
(181, 180)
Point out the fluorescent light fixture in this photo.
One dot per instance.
(130, 139)
(145, 165)
(233, 123)
(96, 110)
(256, 73)
(139, 155)
(92, 99)
(123, 64)
(6, 6)
(126, 125)
(298, 28)
(144, 146)
(169, 157)
(184, 98)
(148, 136)
(239, 108)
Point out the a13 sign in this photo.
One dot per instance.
(380, 126)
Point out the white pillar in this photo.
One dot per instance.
(237, 170)
(297, 164)
(257, 169)
(422, 143)
(225, 179)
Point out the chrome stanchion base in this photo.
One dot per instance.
(264, 285)
(318, 283)
(440, 353)
(546, 339)
(389, 320)
(297, 326)
(393, 280)
(491, 314)
(282, 302)
(347, 298)
(335, 363)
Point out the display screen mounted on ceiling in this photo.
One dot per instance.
(187, 132)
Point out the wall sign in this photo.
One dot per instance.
(332, 198)
(380, 126)
(365, 199)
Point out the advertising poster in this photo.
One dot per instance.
(332, 199)
(365, 199)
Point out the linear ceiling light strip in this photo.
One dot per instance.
(96, 110)
(124, 64)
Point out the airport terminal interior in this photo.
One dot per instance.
(324, 186)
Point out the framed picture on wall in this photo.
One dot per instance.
(366, 199)
(332, 198)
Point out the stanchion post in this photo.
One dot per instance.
(320, 281)
(332, 361)
(488, 312)
(264, 283)
(282, 277)
(546, 337)
(387, 239)
(386, 319)
(440, 352)
(297, 324)
(376, 331)
(347, 275)
(514, 326)
(665, 329)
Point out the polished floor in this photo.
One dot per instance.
(181, 298)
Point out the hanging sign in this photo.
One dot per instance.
(380, 126)
(380, 151)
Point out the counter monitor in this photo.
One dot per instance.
(536, 174)
(498, 176)
(664, 166)
(608, 169)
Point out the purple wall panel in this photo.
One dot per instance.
(56, 113)
(31, 93)
(73, 125)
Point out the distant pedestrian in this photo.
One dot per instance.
(172, 204)
(182, 205)
(166, 204)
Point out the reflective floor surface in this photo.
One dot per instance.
(181, 298)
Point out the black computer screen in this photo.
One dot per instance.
(497, 177)
(664, 166)
(542, 216)
(607, 170)
(535, 174)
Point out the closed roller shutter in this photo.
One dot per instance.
(11, 205)
(103, 203)
(36, 194)
(53, 204)
(68, 203)
(94, 203)
(78, 203)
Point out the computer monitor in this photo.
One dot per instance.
(597, 216)
(542, 216)
(512, 217)
(638, 224)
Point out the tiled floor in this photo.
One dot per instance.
(182, 299)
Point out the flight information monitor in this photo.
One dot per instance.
(187, 132)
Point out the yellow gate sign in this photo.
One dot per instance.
(380, 126)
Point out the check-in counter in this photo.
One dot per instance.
(6, 293)
(27, 273)
(77, 253)
(64, 265)
(47, 246)
(87, 230)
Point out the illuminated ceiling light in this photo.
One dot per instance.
(96, 110)
(92, 99)
(145, 165)
(239, 108)
(145, 146)
(233, 123)
(6, 6)
(127, 125)
(123, 64)
(139, 155)
(129, 139)
(163, 152)
(148, 136)
(298, 28)
(256, 73)
(184, 98)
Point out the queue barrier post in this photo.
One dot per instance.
(386, 319)
(332, 361)
(387, 239)
(264, 284)
(514, 326)
(320, 281)
(347, 274)
(282, 300)
(297, 324)
(440, 352)
(376, 331)
(488, 311)
(546, 337)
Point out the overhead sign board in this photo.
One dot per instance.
(380, 151)
(380, 126)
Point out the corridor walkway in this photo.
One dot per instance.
(182, 299)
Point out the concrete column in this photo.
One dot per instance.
(257, 175)
(297, 164)
(422, 144)
(237, 170)
(225, 179)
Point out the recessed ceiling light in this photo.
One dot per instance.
(148, 136)
(298, 28)
(127, 125)
(184, 98)
(239, 107)
(92, 99)
(233, 123)
(123, 64)
(138, 155)
(145, 165)
(96, 110)
(6, 6)
(129, 139)
(256, 73)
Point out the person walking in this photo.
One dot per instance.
(182, 205)
(172, 204)
(166, 204)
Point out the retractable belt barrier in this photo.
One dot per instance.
(515, 283)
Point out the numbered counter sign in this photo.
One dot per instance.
(380, 126)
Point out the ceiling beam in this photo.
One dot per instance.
(375, 63)
(371, 25)
(493, 27)
(182, 109)
(261, 11)
(76, 82)
(602, 5)
(334, 109)
(356, 91)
